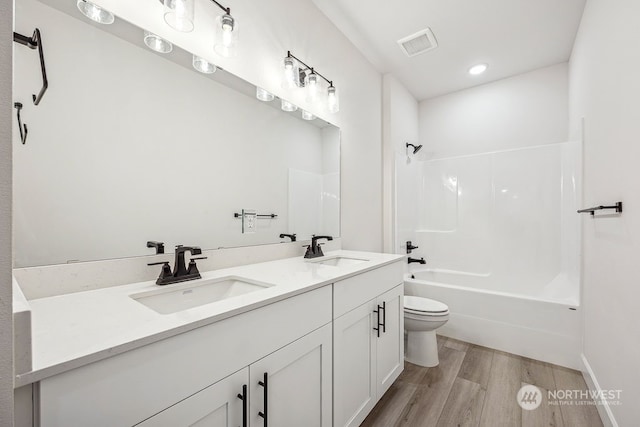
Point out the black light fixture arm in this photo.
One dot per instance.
(33, 42)
(226, 9)
(308, 67)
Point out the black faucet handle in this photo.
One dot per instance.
(198, 258)
(159, 263)
(165, 273)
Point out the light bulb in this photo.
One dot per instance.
(178, 14)
(226, 35)
(157, 43)
(333, 101)
(307, 115)
(312, 86)
(95, 13)
(288, 106)
(290, 71)
(264, 95)
(202, 65)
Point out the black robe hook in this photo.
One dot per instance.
(23, 128)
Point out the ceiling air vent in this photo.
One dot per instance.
(418, 43)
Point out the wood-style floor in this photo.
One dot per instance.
(477, 386)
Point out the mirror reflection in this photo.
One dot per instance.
(129, 146)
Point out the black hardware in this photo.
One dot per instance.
(33, 42)
(308, 67)
(410, 247)
(23, 128)
(416, 148)
(239, 215)
(419, 261)
(617, 207)
(193, 268)
(377, 328)
(165, 274)
(158, 245)
(264, 384)
(384, 316)
(243, 397)
(314, 250)
(290, 236)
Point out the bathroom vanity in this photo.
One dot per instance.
(288, 343)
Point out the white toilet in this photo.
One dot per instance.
(422, 316)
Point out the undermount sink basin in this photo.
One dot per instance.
(174, 298)
(340, 261)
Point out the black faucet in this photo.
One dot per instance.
(410, 247)
(158, 245)
(419, 261)
(314, 250)
(180, 272)
(291, 236)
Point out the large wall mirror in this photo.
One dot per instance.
(129, 145)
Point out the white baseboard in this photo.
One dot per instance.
(603, 407)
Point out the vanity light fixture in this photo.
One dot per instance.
(478, 69)
(264, 95)
(178, 14)
(95, 12)
(157, 43)
(307, 115)
(298, 74)
(202, 65)
(288, 106)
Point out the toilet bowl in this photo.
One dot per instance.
(422, 316)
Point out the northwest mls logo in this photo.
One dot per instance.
(529, 397)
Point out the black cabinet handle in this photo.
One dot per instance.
(384, 316)
(377, 328)
(243, 397)
(264, 383)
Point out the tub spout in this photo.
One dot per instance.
(419, 261)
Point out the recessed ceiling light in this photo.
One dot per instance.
(478, 69)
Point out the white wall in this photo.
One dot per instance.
(604, 90)
(400, 125)
(268, 31)
(128, 146)
(520, 111)
(6, 319)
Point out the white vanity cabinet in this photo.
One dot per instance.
(368, 341)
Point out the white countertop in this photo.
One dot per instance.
(72, 330)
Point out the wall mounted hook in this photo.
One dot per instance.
(23, 128)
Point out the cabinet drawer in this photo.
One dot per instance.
(355, 291)
(128, 388)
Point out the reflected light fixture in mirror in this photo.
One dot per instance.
(226, 35)
(333, 100)
(298, 73)
(311, 83)
(290, 73)
(264, 95)
(307, 115)
(178, 14)
(95, 13)
(288, 106)
(202, 65)
(157, 43)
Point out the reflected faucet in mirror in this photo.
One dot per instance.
(180, 272)
(314, 250)
(290, 236)
(158, 245)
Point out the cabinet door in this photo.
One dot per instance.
(218, 405)
(390, 344)
(354, 365)
(292, 386)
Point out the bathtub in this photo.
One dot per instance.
(542, 325)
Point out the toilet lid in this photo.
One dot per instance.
(424, 305)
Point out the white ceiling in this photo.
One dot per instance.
(512, 36)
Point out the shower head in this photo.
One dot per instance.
(416, 148)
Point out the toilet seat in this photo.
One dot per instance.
(424, 306)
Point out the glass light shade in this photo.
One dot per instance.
(287, 106)
(291, 73)
(307, 115)
(157, 43)
(204, 66)
(478, 69)
(95, 13)
(226, 36)
(311, 84)
(263, 95)
(178, 14)
(333, 100)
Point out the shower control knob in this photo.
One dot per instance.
(410, 247)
